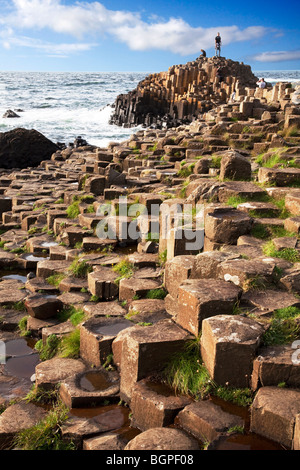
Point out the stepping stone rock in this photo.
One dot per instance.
(177, 270)
(101, 283)
(228, 348)
(275, 365)
(292, 224)
(163, 439)
(154, 405)
(92, 387)
(43, 307)
(267, 301)
(47, 268)
(240, 188)
(281, 177)
(146, 350)
(204, 298)
(104, 309)
(273, 414)
(262, 209)
(50, 373)
(17, 418)
(206, 265)
(105, 442)
(96, 337)
(225, 225)
(206, 421)
(248, 273)
(147, 311)
(234, 166)
(130, 288)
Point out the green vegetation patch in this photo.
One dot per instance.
(80, 268)
(186, 373)
(74, 315)
(46, 435)
(125, 269)
(289, 254)
(160, 293)
(22, 325)
(55, 279)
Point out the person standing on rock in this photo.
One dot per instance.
(261, 83)
(203, 53)
(218, 43)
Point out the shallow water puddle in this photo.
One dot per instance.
(161, 389)
(247, 442)
(94, 381)
(17, 277)
(112, 329)
(21, 358)
(30, 257)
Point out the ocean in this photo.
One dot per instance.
(63, 106)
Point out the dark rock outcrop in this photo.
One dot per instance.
(180, 95)
(22, 148)
(10, 114)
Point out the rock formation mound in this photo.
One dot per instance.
(180, 95)
(22, 148)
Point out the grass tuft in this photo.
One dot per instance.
(46, 435)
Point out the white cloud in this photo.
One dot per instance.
(277, 56)
(83, 19)
(49, 48)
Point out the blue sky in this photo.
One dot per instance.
(67, 35)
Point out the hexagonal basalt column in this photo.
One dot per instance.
(200, 299)
(228, 347)
(96, 337)
(146, 350)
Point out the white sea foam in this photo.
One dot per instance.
(63, 106)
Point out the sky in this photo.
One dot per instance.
(108, 36)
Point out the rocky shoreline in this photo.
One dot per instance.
(164, 333)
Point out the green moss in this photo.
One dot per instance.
(90, 210)
(234, 201)
(125, 269)
(237, 396)
(73, 210)
(41, 395)
(80, 268)
(289, 254)
(19, 306)
(49, 349)
(55, 279)
(186, 374)
(216, 161)
(70, 345)
(22, 325)
(152, 237)
(163, 257)
(73, 314)
(287, 313)
(156, 294)
(183, 190)
(282, 331)
(46, 435)
(264, 232)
